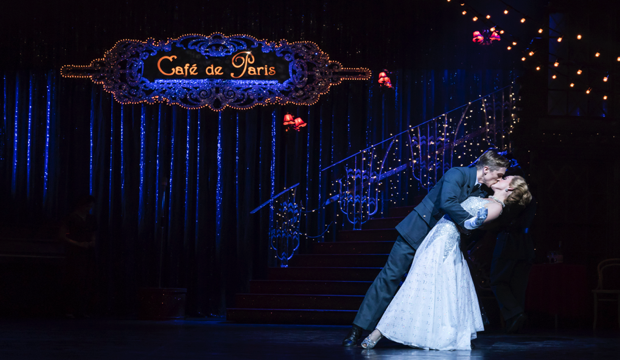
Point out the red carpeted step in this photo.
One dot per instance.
(353, 247)
(291, 316)
(298, 301)
(402, 211)
(339, 260)
(309, 287)
(368, 235)
(324, 273)
(382, 223)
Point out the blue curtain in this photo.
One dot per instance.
(200, 173)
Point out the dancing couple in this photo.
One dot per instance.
(436, 306)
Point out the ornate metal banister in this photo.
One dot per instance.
(364, 183)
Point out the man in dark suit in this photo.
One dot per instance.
(456, 185)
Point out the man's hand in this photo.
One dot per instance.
(478, 220)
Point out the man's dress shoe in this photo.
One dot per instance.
(354, 335)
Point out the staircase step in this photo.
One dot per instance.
(301, 301)
(309, 287)
(382, 223)
(291, 316)
(339, 260)
(368, 235)
(353, 247)
(324, 273)
(402, 211)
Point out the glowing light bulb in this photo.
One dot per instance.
(605, 78)
(560, 39)
(556, 64)
(488, 16)
(531, 53)
(597, 54)
(554, 77)
(509, 48)
(493, 28)
(605, 97)
(501, 31)
(579, 72)
(537, 68)
(464, 12)
(523, 58)
(506, 12)
(475, 18)
(540, 31)
(572, 85)
(514, 43)
(578, 37)
(588, 91)
(522, 20)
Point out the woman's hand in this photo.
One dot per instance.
(477, 220)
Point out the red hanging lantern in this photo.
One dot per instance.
(299, 123)
(485, 37)
(384, 80)
(288, 119)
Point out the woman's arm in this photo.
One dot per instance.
(495, 210)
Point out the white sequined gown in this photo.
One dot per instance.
(436, 307)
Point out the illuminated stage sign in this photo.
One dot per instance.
(217, 71)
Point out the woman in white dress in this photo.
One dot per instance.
(437, 307)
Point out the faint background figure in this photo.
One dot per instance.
(512, 260)
(78, 231)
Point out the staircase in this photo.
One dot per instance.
(326, 286)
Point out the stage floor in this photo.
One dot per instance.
(90, 339)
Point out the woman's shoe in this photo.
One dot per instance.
(368, 343)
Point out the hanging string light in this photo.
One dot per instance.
(524, 18)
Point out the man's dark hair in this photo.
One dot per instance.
(493, 160)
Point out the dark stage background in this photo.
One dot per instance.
(61, 138)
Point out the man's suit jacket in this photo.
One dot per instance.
(445, 198)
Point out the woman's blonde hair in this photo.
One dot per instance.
(520, 194)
